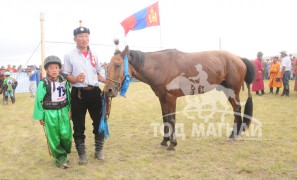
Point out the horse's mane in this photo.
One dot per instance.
(138, 56)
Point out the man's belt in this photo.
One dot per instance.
(49, 105)
(88, 88)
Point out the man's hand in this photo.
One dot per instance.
(80, 78)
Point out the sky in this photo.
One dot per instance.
(242, 27)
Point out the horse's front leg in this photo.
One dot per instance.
(173, 142)
(166, 130)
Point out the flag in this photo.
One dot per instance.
(146, 17)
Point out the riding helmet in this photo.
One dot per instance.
(52, 60)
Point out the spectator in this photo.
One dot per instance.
(1, 82)
(21, 69)
(285, 72)
(294, 67)
(9, 68)
(258, 84)
(2, 70)
(264, 72)
(14, 69)
(37, 71)
(9, 86)
(32, 79)
(40, 71)
(275, 76)
(269, 62)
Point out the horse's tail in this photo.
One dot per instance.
(249, 78)
(250, 71)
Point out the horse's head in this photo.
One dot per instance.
(115, 73)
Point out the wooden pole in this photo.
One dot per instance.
(42, 43)
(161, 43)
(220, 44)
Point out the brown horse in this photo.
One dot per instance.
(171, 73)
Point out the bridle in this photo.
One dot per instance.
(122, 80)
(109, 99)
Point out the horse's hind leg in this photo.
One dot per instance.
(237, 116)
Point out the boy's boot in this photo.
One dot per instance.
(12, 99)
(5, 100)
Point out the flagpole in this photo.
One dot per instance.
(161, 43)
(42, 42)
(220, 44)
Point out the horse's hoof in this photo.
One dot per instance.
(171, 148)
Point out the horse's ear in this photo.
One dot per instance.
(125, 51)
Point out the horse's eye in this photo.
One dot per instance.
(118, 66)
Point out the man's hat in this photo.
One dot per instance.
(284, 52)
(81, 29)
(259, 54)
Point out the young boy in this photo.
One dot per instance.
(52, 109)
(9, 86)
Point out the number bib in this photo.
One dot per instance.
(9, 82)
(58, 91)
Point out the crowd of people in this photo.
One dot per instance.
(20, 68)
(7, 87)
(279, 70)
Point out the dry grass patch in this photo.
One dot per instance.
(133, 152)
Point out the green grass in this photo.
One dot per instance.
(133, 152)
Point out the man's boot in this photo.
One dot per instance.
(271, 90)
(81, 150)
(288, 92)
(99, 141)
(284, 92)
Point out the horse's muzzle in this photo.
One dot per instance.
(111, 92)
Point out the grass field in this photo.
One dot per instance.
(133, 152)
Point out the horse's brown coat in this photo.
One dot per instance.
(172, 73)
